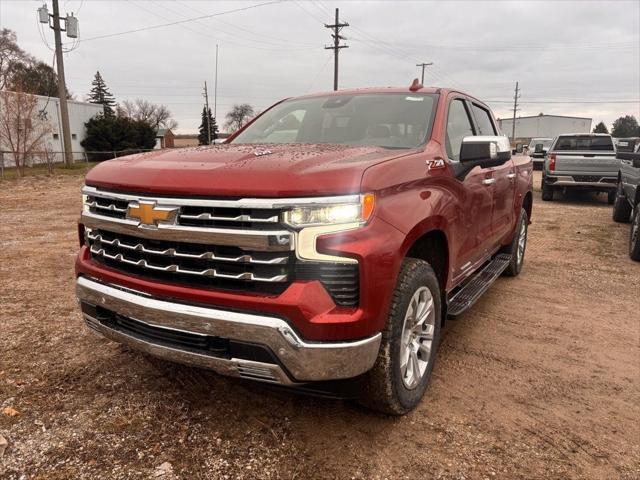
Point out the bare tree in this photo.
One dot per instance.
(238, 117)
(11, 56)
(158, 116)
(22, 130)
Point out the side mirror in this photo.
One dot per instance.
(484, 151)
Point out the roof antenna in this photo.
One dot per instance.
(415, 85)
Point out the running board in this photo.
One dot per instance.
(480, 283)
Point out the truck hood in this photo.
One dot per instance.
(243, 170)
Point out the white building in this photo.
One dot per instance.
(79, 114)
(544, 126)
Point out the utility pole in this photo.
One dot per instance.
(423, 65)
(206, 102)
(337, 27)
(516, 96)
(215, 88)
(71, 27)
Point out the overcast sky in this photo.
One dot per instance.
(560, 52)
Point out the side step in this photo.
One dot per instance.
(463, 299)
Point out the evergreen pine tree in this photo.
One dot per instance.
(100, 94)
(600, 128)
(202, 131)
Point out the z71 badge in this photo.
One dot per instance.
(433, 164)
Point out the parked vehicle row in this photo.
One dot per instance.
(627, 201)
(597, 163)
(327, 240)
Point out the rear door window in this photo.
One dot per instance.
(458, 126)
(483, 120)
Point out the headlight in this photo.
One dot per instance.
(341, 213)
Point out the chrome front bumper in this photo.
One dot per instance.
(298, 361)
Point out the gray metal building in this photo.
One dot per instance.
(544, 126)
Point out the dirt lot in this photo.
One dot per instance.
(541, 379)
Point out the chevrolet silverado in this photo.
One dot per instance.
(327, 240)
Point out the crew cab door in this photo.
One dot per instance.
(473, 230)
(504, 182)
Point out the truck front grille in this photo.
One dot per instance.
(238, 245)
(191, 263)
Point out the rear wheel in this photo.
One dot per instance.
(399, 378)
(621, 208)
(547, 191)
(634, 236)
(518, 246)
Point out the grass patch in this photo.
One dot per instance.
(78, 168)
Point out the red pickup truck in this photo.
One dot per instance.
(328, 239)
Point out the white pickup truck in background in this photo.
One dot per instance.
(584, 161)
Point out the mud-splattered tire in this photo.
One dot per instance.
(518, 245)
(634, 235)
(399, 378)
(621, 207)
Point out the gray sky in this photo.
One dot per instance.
(569, 53)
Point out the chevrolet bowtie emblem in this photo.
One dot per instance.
(149, 214)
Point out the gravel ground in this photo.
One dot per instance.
(539, 380)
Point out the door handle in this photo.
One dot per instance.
(511, 176)
(488, 181)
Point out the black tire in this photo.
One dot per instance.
(517, 260)
(611, 197)
(384, 388)
(634, 235)
(621, 208)
(547, 191)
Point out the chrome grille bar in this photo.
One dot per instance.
(172, 252)
(239, 218)
(110, 207)
(209, 272)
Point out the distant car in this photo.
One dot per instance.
(627, 202)
(537, 149)
(627, 144)
(585, 161)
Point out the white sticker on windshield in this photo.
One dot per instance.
(414, 99)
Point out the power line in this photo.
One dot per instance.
(178, 22)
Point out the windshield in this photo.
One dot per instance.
(387, 120)
(585, 142)
(545, 142)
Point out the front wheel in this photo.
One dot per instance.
(634, 236)
(399, 378)
(621, 208)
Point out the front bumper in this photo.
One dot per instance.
(294, 360)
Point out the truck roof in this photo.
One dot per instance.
(584, 135)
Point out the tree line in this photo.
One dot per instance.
(623, 127)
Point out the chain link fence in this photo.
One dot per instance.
(52, 159)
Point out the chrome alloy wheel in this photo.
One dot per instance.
(417, 337)
(522, 242)
(635, 226)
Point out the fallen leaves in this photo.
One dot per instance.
(3, 445)
(10, 412)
